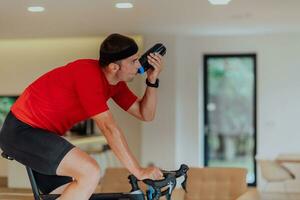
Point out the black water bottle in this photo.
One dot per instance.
(157, 48)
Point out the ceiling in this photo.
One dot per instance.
(73, 18)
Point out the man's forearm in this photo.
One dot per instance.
(149, 103)
(117, 142)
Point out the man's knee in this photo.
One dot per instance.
(95, 171)
(90, 172)
(79, 165)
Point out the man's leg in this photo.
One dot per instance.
(51, 183)
(84, 170)
(60, 189)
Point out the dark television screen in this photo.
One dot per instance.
(5, 103)
(85, 127)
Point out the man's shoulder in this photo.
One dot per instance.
(87, 69)
(84, 65)
(91, 62)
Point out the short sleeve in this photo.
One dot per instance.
(124, 97)
(91, 90)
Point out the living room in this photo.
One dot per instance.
(266, 32)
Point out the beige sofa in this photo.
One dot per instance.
(218, 184)
(202, 184)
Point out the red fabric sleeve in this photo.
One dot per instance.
(124, 97)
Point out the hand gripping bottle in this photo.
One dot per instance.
(157, 48)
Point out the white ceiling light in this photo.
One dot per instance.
(124, 5)
(219, 2)
(36, 9)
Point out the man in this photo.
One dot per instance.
(66, 95)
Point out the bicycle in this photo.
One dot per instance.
(156, 188)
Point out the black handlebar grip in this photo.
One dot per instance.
(159, 183)
(134, 183)
(180, 172)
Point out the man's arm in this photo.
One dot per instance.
(145, 108)
(117, 142)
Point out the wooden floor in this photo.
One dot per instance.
(280, 196)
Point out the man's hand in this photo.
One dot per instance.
(155, 59)
(152, 173)
(145, 108)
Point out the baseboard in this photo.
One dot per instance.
(3, 181)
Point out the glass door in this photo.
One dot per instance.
(230, 112)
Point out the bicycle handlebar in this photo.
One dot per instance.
(156, 186)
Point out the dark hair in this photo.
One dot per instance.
(116, 47)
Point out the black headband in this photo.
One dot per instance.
(112, 57)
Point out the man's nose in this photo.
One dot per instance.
(138, 64)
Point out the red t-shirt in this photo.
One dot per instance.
(69, 94)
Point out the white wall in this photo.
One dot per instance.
(278, 69)
(158, 136)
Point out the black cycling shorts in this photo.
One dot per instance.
(36, 148)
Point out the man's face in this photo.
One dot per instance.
(128, 68)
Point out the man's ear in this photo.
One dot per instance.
(113, 67)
